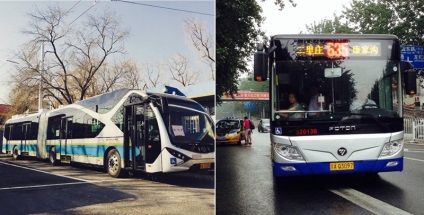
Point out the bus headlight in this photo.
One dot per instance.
(391, 148)
(287, 151)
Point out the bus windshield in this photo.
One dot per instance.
(355, 81)
(189, 124)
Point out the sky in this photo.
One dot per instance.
(156, 33)
(292, 20)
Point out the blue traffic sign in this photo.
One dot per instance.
(249, 105)
(414, 54)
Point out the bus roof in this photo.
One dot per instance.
(336, 36)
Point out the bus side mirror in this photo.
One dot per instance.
(260, 64)
(410, 82)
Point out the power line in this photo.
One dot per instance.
(95, 2)
(168, 8)
(73, 6)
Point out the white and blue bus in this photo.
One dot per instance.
(125, 130)
(353, 122)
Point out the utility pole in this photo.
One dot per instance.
(40, 89)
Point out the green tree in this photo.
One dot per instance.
(402, 18)
(238, 29)
(254, 86)
(327, 26)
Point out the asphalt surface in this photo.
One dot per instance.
(35, 187)
(245, 185)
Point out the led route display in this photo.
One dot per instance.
(338, 50)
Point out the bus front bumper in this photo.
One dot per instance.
(320, 168)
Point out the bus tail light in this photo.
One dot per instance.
(391, 148)
(288, 152)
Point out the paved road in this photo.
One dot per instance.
(35, 187)
(245, 185)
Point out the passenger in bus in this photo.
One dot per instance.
(284, 100)
(313, 101)
(294, 106)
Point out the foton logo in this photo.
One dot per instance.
(342, 128)
(342, 151)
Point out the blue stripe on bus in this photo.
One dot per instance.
(90, 150)
(26, 147)
(324, 168)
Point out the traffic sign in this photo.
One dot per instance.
(414, 54)
(249, 105)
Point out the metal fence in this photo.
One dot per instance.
(413, 128)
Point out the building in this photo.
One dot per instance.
(4, 115)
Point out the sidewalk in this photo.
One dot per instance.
(414, 142)
(4, 155)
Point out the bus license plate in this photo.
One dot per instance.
(222, 138)
(341, 166)
(205, 166)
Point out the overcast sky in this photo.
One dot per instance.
(292, 20)
(156, 33)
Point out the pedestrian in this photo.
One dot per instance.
(247, 131)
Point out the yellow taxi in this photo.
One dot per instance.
(229, 130)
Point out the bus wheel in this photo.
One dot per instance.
(52, 156)
(15, 153)
(113, 164)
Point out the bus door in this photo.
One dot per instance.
(134, 138)
(65, 139)
(8, 135)
(153, 141)
(24, 138)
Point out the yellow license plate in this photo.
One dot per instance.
(341, 166)
(205, 166)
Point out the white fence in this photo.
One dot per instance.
(413, 128)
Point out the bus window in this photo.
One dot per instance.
(94, 126)
(118, 118)
(53, 128)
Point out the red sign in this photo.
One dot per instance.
(247, 96)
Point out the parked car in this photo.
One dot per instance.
(229, 130)
(264, 125)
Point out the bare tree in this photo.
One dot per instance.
(131, 75)
(178, 68)
(74, 56)
(25, 84)
(202, 41)
(153, 75)
(110, 77)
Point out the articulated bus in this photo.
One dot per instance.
(125, 130)
(353, 123)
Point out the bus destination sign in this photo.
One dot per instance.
(338, 50)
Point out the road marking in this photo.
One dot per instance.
(46, 185)
(52, 185)
(369, 203)
(80, 181)
(414, 159)
(36, 170)
(414, 150)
